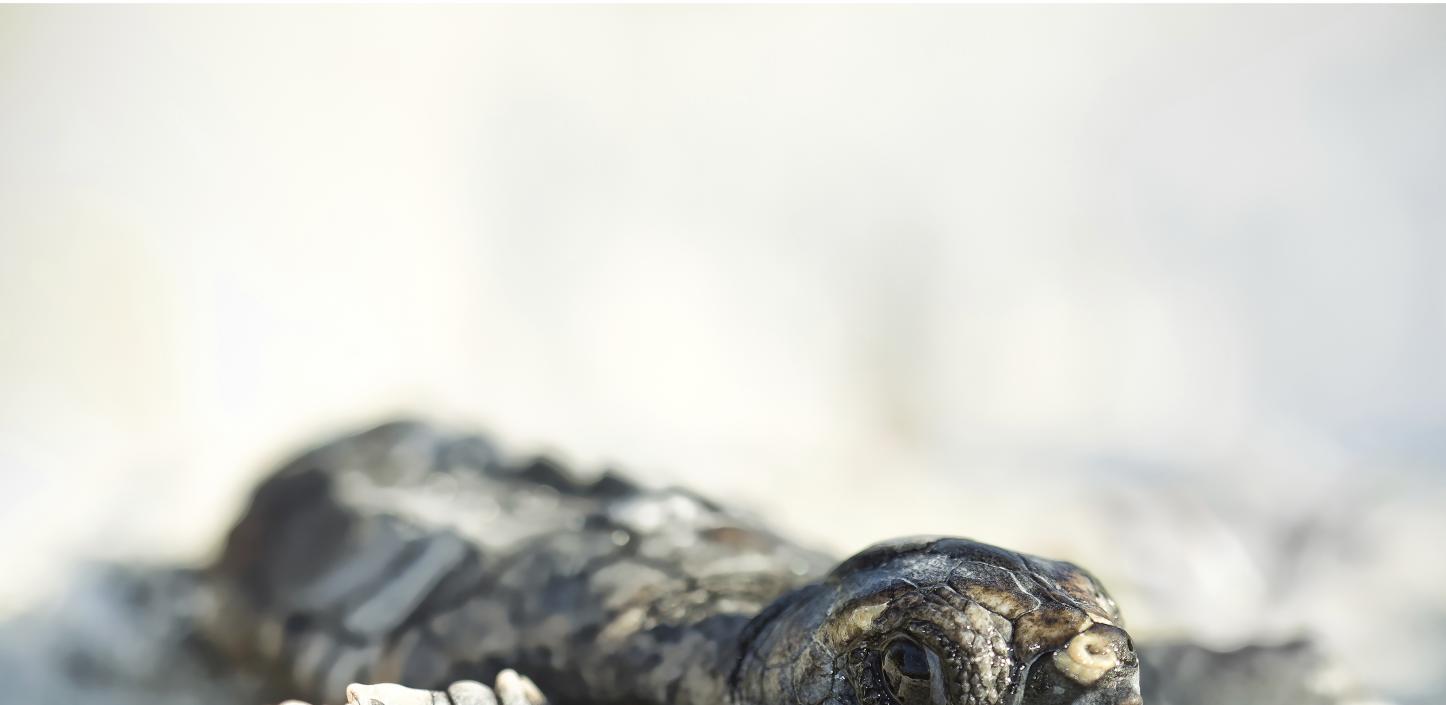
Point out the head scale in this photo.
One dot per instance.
(940, 621)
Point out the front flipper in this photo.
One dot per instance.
(510, 689)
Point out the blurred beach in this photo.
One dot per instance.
(1156, 289)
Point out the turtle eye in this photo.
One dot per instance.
(911, 673)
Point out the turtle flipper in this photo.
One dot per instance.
(509, 689)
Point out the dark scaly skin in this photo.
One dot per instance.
(408, 555)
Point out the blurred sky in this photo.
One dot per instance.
(1156, 288)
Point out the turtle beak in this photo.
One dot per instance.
(1101, 660)
(1124, 690)
(1097, 666)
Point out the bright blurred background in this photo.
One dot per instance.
(1159, 289)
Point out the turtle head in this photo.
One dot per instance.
(942, 621)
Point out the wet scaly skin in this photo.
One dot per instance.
(409, 555)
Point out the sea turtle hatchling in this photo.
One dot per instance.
(405, 555)
(410, 555)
